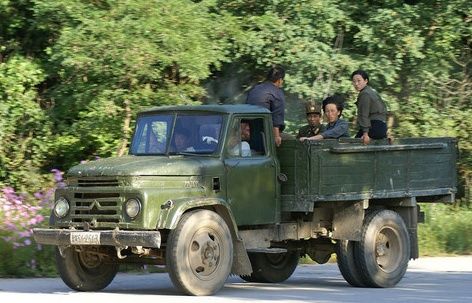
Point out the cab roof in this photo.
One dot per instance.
(213, 108)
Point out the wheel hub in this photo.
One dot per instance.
(381, 245)
(387, 249)
(210, 254)
(204, 254)
(89, 259)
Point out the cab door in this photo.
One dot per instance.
(252, 187)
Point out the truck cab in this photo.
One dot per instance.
(221, 168)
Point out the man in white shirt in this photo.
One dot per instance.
(242, 148)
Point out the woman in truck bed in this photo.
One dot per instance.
(336, 127)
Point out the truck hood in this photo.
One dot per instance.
(145, 166)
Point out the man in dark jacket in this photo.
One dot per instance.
(269, 94)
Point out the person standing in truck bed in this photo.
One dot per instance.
(269, 94)
(371, 110)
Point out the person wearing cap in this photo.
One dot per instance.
(313, 116)
(336, 127)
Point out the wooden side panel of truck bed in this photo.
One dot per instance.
(332, 170)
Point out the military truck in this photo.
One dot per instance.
(187, 197)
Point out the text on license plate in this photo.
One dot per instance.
(85, 238)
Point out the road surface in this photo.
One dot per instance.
(443, 279)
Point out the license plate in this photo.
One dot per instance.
(85, 238)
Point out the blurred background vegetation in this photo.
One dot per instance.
(73, 74)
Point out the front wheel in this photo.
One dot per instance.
(272, 268)
(383, 252)
(199, 253)
(85, 269)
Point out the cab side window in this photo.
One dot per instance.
(258, 137)
(246, 138)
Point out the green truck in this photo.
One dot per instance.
(191, 195)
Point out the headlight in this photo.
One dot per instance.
(132, 208)
(61, 207)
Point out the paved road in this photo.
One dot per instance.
(427, 280)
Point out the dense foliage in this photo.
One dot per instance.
(73, 73)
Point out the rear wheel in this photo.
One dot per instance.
(346, 263)
(86, 269)
(272, 268)
(199, 253)
(383, 253)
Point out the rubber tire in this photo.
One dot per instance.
(383, 226)
(82, 277)
(346, 263)
(249, 278)
(199, 232)
(272, 268)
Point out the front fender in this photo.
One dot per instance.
(171, 212)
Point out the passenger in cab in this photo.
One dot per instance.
(182, 142)
(239, 146)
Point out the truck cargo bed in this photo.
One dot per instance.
(343, 170)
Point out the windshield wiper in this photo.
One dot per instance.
(193, 154)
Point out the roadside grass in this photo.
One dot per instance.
(447, 230)
(26, 261)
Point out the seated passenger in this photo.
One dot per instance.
(182, 142)
(336, 127)
(313, 116)
(240, 147)
(155, 145)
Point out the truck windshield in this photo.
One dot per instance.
(177, 133)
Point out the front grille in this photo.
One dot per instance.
(97, 207)
(95, 195)
(97, 182)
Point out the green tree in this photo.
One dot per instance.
(110, 58)
(24, 128)
(18, 33)
(306, 37)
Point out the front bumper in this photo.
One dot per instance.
(118, 238)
